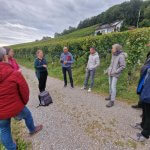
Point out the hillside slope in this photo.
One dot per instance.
(89, 31)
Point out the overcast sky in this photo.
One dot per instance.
(27, 20)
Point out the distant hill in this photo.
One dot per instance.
(134, 12)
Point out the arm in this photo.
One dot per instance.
(61, 59)
(107, 71)
(36, 65)
(23, 88)
(45, 61)
(122, 65)
(97, 62)
(17, 66)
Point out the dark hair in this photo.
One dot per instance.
(148, 54)
(7, 50)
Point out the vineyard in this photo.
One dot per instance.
(134, 43)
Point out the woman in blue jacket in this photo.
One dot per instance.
(142, 76)
(144, 91)
(40, 65)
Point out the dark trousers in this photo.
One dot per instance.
(65, 70)
(42, 81)
(146, 120)
(140, 104)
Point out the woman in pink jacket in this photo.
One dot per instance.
(11, 60)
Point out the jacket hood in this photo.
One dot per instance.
(5, 71)
(96, 53)
(124, 54)
(121, 53)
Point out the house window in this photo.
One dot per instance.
(103, 31)
(118, 29)
(99, 33)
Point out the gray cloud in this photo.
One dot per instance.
(27, 20)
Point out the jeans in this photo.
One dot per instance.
(112, 87)
(89, 74)
(5, 128)
(42, 81)
(65, 70)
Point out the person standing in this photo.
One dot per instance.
(93, 63)
(118, 64)
(14, 96)
(66, 60)
(144, 126)
(40, 65)
(143, 72)
(11, 60)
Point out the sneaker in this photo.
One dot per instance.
(83, 88)
(139, 138)
(37, 130)
(136, 106)
(72, 87)
(110, 104)
(65, 86)
(137, 126)
(108, 98)
(89, 90)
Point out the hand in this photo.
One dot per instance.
(45, 66)
(61, 61)
(113, 73)
(105, 72)
(20, 70)
(65, 62)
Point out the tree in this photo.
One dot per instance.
(56, 35)
(147, 12)
(145, 23)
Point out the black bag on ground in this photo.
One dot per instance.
(45, 98)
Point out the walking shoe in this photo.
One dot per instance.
(110, 104)
(108, 98)
(137, 126)
(65, 86)
(83, 88)
(89, 90)
(37, 129)
(72, 87)
(141, 115)
(136, 106)
(139, 138)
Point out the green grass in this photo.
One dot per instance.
(126, 92)
(17, 132)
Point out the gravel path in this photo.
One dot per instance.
(80, 121)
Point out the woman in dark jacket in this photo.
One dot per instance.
(142, 75)
(40, 65)
(14, 96)
(144, 126)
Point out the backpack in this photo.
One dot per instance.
(45, 99)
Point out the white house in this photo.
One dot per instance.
(108, 28)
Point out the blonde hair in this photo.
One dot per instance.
(118, 47)
(38, 51)
(65, 47)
